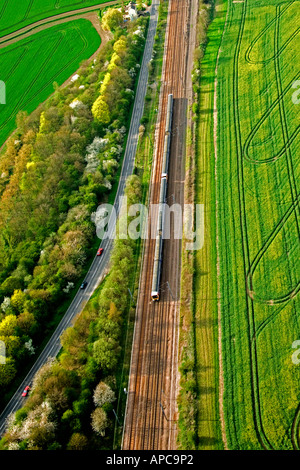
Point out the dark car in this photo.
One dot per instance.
(26, 391)
(100, 251)
(83, 285)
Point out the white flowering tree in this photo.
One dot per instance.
(29, 347)
(103, 394)
(38, 427)
(93, 151)
(68, 287)
(5, 304)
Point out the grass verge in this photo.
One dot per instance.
(199, 420)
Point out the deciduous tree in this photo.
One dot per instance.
(78, 441)
(112, 19)
(103, 394)
(100, 111)
(99, 421)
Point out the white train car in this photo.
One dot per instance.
(162, 200)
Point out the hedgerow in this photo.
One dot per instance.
(60, 164)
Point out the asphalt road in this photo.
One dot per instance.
(99, 264)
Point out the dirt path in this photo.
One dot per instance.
(221, 374)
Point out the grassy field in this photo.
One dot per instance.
(30, 66)
(205, 284)
(29, 81)
(15, 14)
(257, 197)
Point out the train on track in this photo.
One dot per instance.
(162, 200)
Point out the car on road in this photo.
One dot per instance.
(26, 391)
(83, 285)
(100, 251)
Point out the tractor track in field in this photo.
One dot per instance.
(295, 430)
(46, 23)
(283, 120)
(28, 9)
(55, 47)
(261, 34)
(260, 254)
(3, 8)
(288, 140)
(249, 267)
(294, 208)
(16, 63)
(51, 79)
(225, 325)
(59, 20)
(295, 437)
(261, 121)
(254, 377)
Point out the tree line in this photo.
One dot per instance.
(72, 398)
(59, 165)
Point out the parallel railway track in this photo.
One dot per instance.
(151, 411)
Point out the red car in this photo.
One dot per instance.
(99, 252)
(25, 392)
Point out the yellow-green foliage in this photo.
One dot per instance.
(120, 45)
(115, 60)
(42, 123)
(100, 111)
(100, 108)
(105, 83)
(112, 19)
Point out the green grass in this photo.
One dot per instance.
(258, 223)
(15, 14)
(205, 291)
(31, 66)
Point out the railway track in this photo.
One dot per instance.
(151, 411)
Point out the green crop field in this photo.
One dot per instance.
(31, 66)
(205, 278)
(257, 195)
(15, 14)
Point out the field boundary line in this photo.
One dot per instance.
(215, 120)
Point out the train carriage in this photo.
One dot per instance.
(157, 268)
(162, 200)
